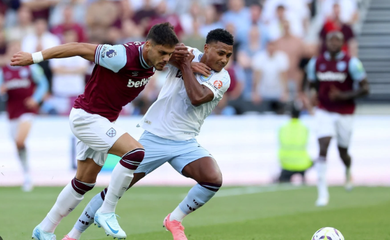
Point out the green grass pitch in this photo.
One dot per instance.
(248, 213)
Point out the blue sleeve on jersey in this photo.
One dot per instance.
(1, 77)
(311, 70)
(356, 69)
(40, 80)
(112, 57)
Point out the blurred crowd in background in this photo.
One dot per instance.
(272, 42)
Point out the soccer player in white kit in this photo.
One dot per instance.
(171, 125)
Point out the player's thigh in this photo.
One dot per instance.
(324, 123)
(344, 125)
(124, 144)
(97, 132)
(84, 152)
(194, 161)
(157, 152)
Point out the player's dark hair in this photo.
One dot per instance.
(220, 35)
(163, 34)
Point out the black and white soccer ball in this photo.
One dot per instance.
(328, 233)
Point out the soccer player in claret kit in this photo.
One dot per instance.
(24, 88)
(120, 74)
(337, 79)
(171, 125)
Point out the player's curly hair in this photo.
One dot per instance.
(163, 34)
(220, 35)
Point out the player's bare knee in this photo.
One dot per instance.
(20, 144)
(214, 177)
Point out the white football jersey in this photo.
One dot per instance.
(173, 116)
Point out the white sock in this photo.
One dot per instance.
(177, 215)
(120, 180)
(74, 233)
(321, 183)
(67, 200)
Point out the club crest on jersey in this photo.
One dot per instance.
(341, 66)
(111, 132)
(111, 53)
(205, 78)
(218, 84)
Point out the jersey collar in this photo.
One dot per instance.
(339, 56)
(141, 57)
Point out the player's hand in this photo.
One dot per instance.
(21, 59)
(335, 94)
(31, 103)
(3, 89)
(201, 68)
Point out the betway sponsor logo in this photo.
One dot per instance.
(139, 83)
(331, 76)
(18, 83)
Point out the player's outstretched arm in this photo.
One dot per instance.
(84, 50)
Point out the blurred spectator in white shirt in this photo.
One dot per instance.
(348, 10)
(41, 39)
(24, 25)
(275, 25)
(68, 78)
(79, 9)
(270, 78)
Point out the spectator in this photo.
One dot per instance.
(228, 104)
(164, 16)
(195, 39)
(79, 8)
(130, 32)
(348, 10)
(275, 26)
(24, 25)
(97, 26)
(212, 20)
(270, 78)
(41, 40)
(334, 23)
(239, 16)
(294, 47)
(68, 78)
(245, 58)
(143, 16)
(40, 8)
(69, 24)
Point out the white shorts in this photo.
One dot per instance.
(331, 124)
(14, 123)
(96, 135)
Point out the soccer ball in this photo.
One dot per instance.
(328, 233)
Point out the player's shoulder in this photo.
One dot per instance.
(223, 76)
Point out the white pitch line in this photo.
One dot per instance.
(253, 190)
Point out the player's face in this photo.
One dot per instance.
(159, 55)
(217, 55)
(334, 44)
